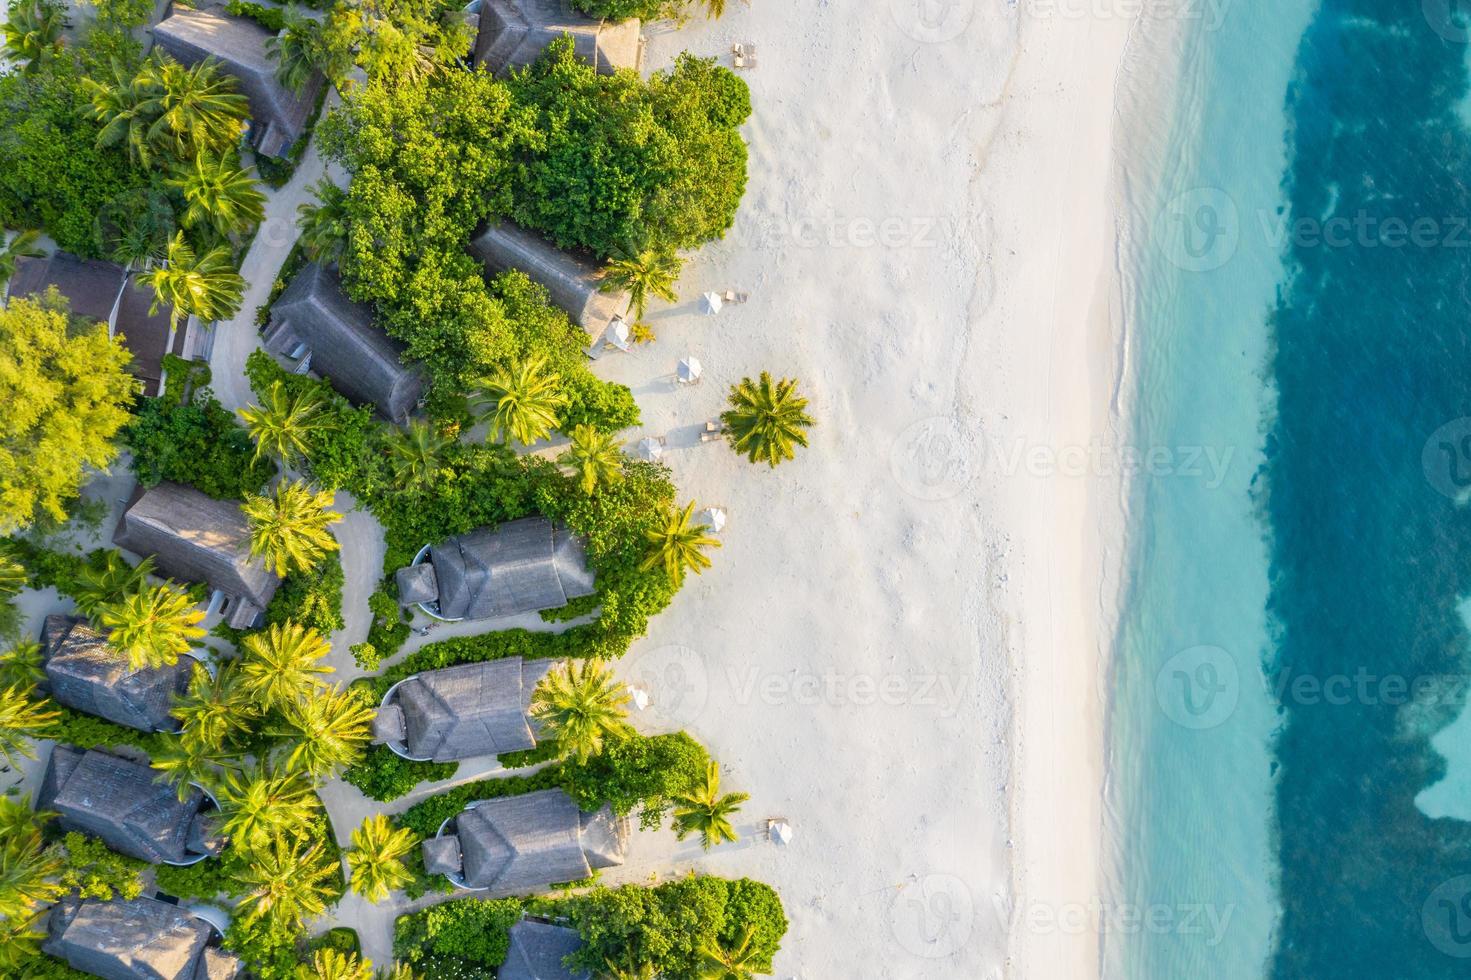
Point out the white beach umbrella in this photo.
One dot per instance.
(638, 696)
(779, 831)
(713, 518)
(650, 448)
(711, 303)
(689, 370)
(618, 333)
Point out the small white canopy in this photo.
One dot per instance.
(713, 518)
(711, 303)
(779, 830)
(650, 448)
(638, 696)
(618, 333)
(689, 370)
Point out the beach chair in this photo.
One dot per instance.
(745, 54)
(713, 430)
(731, 296)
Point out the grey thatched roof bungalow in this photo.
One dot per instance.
(571, 281)
(136, 939)
(121, 803)
(517, 567)
(537, 952)
(519, 844)
(462, 712)
(195, 538)
(85, 673)
(315, 322)
(149, 336)
(514, 33)
(278, 116)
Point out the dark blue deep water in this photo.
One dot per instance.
(1370, 547)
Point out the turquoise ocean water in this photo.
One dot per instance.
(1290, 756)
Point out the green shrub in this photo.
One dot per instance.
(199, 443)
(89, 732)
(384, 776)
(617, 11)
(95, 871)
(483, 647)
(342, 939)
(204, 881)
(272, 19)
(313, 599)
(471, 929)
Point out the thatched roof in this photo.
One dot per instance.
(85, 673)
(347, 348)
(517, 567)
(195, 538)
(537, 951)
(519, 844)
(90, 286)
(135, 939)
(146, 334)
(514, 33)
(278, 115)
(570, 280)
(119, 802)
(416, 584)
(461, 712)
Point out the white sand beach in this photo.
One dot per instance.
(900, 647)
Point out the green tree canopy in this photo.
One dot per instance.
(67, 396)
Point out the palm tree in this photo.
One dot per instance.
(399, 971)
(185, 760)
(284, 426)
(296, 49)
(290, 530)
(207, 286)
(642, 275)
(22, 665)
(580, 706)
(22, 245)
(33, 32)
(376, 858)
(679, 545)
(216, 706)
(766, 419)
(287, 884)
(153, 626)
(521, 401)
(21, 720)
(329, 964)
(324, 225)
(136, 226)
(594, 457)
(416, 453)
(127, 105)
(28, 868)
(266, 804)
(632, 970)
(283, 663)
(705, 812)
(197, 109)
(219, 194)
(738, 962)
(332, 729)
(111, 582)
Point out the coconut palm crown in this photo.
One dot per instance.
(767, 419)
(678, 544)
(580, 707)
(291, 528)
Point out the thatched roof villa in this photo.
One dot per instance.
(520, 566)
(462, 712)
(537, 951)
(514, 33)
(91, 286)
(121, 803)
(195, 538)
(571, 281)
(519, 844)
(278, 116)
(136, 939)
(317, 325)
(84, 672)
